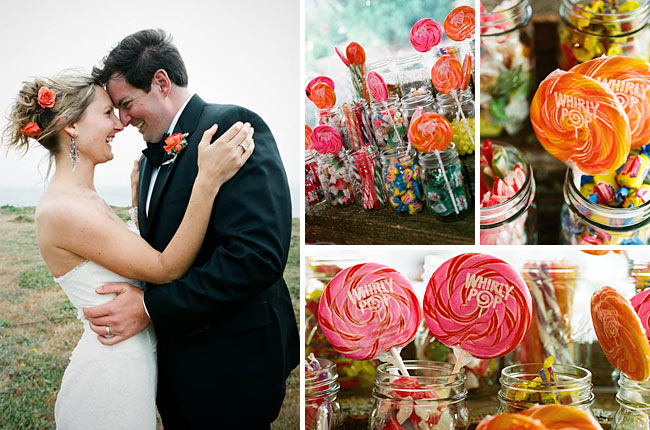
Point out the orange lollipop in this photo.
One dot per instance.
(510, 422)
(323, 95)
(467, 72)
(459, 24)
(559, 417)
(429, 132)
(629, 79)
(308, 132)
(447, 74)
(578, 120)
(620, 333)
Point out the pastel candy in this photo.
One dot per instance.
(479, 303)
(323, 95)
(459, 24)
(430, 132)
(425, 34)
(634, 171)
(326, 140)
(368, 309)
(620, 333)
(580, 121)
(447, 74)
(377, 87)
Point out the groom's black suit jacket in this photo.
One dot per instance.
(227, 335)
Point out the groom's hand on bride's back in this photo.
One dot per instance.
(125, 314)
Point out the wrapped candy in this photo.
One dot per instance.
(634, 171)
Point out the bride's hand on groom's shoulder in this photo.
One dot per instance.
(135, 177)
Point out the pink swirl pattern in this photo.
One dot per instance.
(459, 24)
(368, 309)
(317, 80)
(479, 303)
(326, 140)
(377, 87)
(641, 304)
(425, 34)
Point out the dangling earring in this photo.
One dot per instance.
(74, 151)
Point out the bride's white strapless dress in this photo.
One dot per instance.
(105, 387)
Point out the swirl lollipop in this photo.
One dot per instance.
(326, 140)
(479, 303)
(629, 79)
(447, 74)
(620, 333)
(467, 72)
(562, 417)
(430, 132)
(425, 34)
(317, 80)
(459, 24)
(368, 309)
(323, 95)
(641, 305)
(308, 132)
(379, 92)
(510, 422)
(578, 120)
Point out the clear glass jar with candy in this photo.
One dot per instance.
(411, 104)
(507, 65)
(366, 172)
(357, 125)
(449, 109)
(430, 398)
(401, 172)
(314, 193)
(585, 222)
(332, 117)
(322, 409)
(439, 198)
(633, 398)
(388, 123)
(335, 178)
(414, 78)
(591, 28)
(523, 386)
(387, 71)
(511, 220)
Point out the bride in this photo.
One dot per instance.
(85, 245)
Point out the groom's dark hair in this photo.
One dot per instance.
(138, 56)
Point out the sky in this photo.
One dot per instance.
(245, 53)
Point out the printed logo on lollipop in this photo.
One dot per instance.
(577, 112)
(372, 296)
(488, 292)
(627, 92)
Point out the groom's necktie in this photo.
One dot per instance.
(155, 152)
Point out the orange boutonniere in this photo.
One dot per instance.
(174, 144)
(46, 97)
(31, 129)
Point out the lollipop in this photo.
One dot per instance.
(377, 87)
(510, 422)
(323, 95)
(578, 120)
(620, 333)
(425, 34)
(629, 79)
(308, 132)
(316, 80)
(562, 417)
(641, 305)
(430, 132)
(326, 140)
(355, 53)
(447, 74)
(467, 72)
(479, 303)
(459, 24)
(368, 309)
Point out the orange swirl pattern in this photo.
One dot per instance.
(368, 309)
(429, 132)
(510, 422)
(620, 333)
(323, 96)
(580, 121)
(467, 72)
(317, 80)
(562, 417)
(447, 74)
(308, 132)
(479, 303)
(629, 79)
(459, 24)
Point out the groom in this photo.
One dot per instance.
(227, 335)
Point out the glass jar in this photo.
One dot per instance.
(589, 29)
(358, 79)
(449, 108)
(322, 409)
(334, 177)
(437, 188)
(430, 398)
(314, 193)
(573, 388)
(332, 117)
(634, 400)
(414, 78)
(412, 103)
(507, 66)
(588, 223)
(388, 73)
(639, 274)
(388, 123)
(366, 172)
(512, 222)
(401, 173)
(355, 121)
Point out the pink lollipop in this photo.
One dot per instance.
(641, 304)
(368, 309)
(377, 87)
(326, 140)
(425, 34)
(315, 81)
(479, 303)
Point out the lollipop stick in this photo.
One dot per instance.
(444, 175)
(460, 109)
(398, 360)
(393, 123)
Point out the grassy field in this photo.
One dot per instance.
(39, 329)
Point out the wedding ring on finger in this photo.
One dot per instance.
(243, 148)
(108, 332)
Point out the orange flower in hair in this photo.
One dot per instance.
(46, 97)
(31, 129)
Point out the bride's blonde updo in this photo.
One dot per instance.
(74, 92)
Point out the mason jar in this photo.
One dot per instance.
(639, 274)
(387, 71)
(430, 398)
(388, 123)
(507, 67)
(573, 388)
(322, 409)
(439, 198)
(357, 126)
(588, 223)
(414, 78)
(587, 32)
(411, 104)
(334, 176)
(449, 108)
(512, 222)
(332, 117)
(634, 400)
(366, 172)
(401, 173)
(314, 193)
